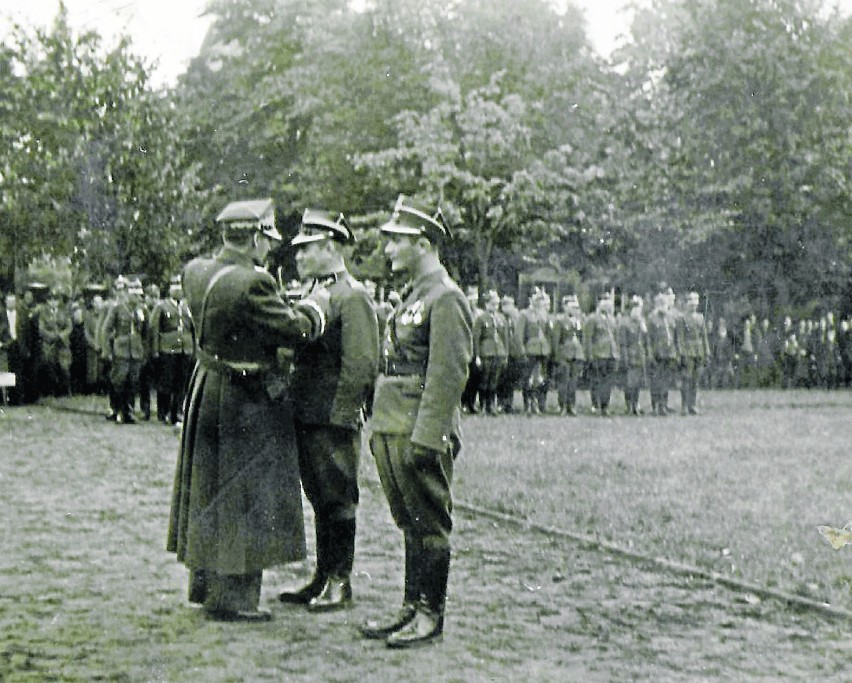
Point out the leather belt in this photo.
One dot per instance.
(403, 368)
(243, 368)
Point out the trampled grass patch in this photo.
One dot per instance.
(740, 489)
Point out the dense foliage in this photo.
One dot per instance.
(711, 150)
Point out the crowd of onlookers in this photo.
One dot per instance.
(124, 342)
(127, 341)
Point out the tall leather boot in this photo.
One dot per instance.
(377, 629)
(304, 595)
(336, 592)
(427, 625)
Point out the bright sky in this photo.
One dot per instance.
(171, 31)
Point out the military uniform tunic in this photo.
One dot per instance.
(332, 378)
(416, 408)
(172, 349)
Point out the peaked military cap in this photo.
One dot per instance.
(411, 218)
(176, 281)
(94, 289)
(135, 286)
(39, 291)
(320, 225)
(252, 214)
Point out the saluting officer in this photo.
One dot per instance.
(172, 342)
(416, 414)
(237, 505)
(332, 377)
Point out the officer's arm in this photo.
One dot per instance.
(276, 318)
(359, 358)
(450, 353)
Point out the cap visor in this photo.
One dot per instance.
(307, 239)
(398, 229)
(272, 233)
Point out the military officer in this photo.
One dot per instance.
(632, 344)
(123, 334)
(534, 328)
(515, 361)
(172, 348)
(568, 353)
(489, 350)
(426, 353)
(693, 352)
(237, 506)
(662, 354)
(600, 338)
(332, 377)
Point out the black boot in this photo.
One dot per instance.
(427, 624)
(303, 595)
(336, 593)
(376, 629)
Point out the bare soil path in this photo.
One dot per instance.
(87, 592)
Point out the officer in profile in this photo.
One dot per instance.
(237, 503)
(332, 377)
(426, 353)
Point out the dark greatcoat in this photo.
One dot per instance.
(236, 506)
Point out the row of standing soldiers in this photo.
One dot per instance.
(532, 351)
(126, 346)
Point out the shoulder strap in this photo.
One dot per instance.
(210, 285)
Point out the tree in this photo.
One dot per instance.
(94, 170)
(752, 153)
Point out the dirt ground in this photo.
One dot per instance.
(87, 592)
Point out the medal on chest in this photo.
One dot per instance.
(413, 315)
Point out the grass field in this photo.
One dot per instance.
(739, 490)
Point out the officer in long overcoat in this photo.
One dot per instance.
(332, 377)
(236, 507)
(426, 353)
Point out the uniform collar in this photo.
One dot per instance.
(434, 274)
(229, 255)
(331, 278)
